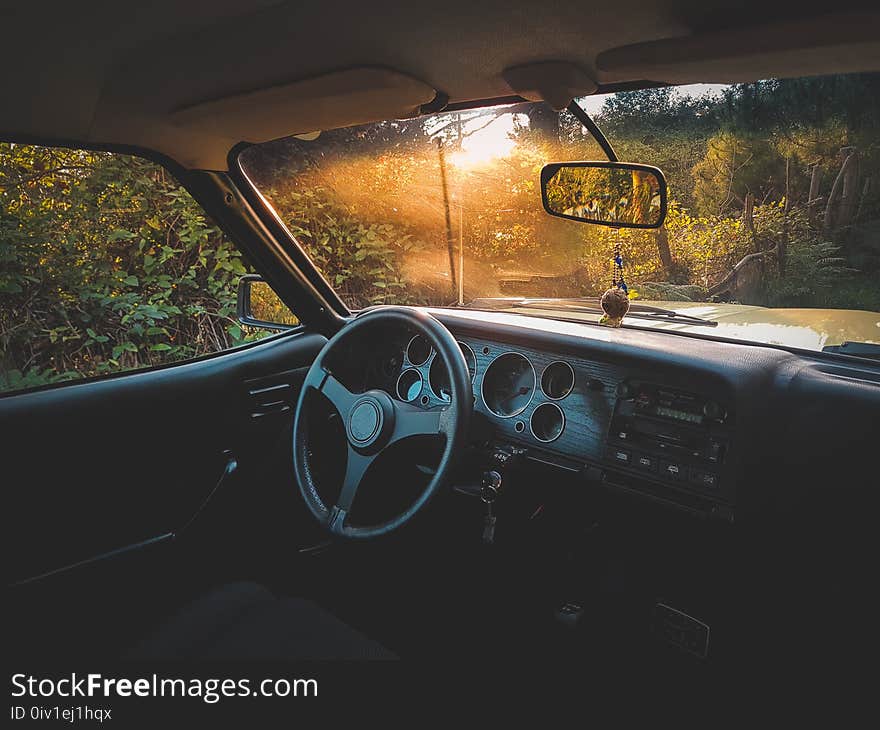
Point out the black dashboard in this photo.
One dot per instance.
(695, 423)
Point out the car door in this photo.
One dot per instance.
(126, 492)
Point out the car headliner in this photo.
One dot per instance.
(191, 78)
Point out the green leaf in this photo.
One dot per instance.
(120, 234)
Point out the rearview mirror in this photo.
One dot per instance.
(259, 306)
(619, 194)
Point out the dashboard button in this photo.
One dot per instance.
(620, 456)
(673, 471)
(646, 462)
(713, 453)
(703, 478)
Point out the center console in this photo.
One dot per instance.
(669, 437)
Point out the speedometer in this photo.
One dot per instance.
(508, 385)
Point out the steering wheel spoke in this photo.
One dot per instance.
(355, 468)
(411, 420)
(331, 388)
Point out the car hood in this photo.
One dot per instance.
(809, 329)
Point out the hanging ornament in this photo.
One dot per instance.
(615, 304)
(615, 301)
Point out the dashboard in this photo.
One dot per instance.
(647, 431)
(711, 427)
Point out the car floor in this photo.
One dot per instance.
(441, 595)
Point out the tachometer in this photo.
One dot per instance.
(439, 378)
(418, 350)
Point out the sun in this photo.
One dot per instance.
(486, 144)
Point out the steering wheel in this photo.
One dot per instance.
(374, 420)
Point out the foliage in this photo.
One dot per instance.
(813, 266)
(734, 166)
(648, 113)
(107, 264)
(360, 259)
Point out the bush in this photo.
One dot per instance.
(107, 264)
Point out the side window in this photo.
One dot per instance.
(106, 264)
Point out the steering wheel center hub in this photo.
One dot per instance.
(369, 420)
(364, 421)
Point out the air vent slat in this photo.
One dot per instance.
(272, 395)
(269, 389)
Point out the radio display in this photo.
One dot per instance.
(678, 415)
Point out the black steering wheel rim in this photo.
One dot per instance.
(373, 421)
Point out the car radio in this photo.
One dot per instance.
(668, 434)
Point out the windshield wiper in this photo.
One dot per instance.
(591, 305)
(858, 349)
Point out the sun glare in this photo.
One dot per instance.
(484, 144)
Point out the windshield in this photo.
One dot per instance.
(774, 208)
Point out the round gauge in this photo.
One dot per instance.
(390, 364)
(547, 422)
(409, 385)
(418, 350)
(508, 385)
(557, 380)
(438, 378)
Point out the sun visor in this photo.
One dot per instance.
(330, 101)
(818, 45)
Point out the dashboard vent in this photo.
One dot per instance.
(273, 395)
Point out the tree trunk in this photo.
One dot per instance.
(665, 252)
(731, 283)
(832, 215)
(850, 193)
(782, 245)
(449, 237)
(787, 184)
(813, 196)
(865, 190)
(749, 218)
(640, 205)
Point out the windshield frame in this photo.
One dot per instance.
(323, 292)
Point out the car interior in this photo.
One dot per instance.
(554, 491)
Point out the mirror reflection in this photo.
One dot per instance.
(267, 306)
(627, 196)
